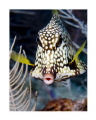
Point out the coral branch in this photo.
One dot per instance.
(20, 96)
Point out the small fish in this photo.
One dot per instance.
(56, 56)
(20, 58)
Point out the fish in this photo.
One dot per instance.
(56, 57)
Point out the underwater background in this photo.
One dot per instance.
(25, 24)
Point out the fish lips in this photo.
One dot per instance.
(48, 78)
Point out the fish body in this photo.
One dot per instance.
(55, 53)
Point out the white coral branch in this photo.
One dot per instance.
(80, 24)
(20, 96)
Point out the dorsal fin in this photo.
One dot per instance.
(55, 12)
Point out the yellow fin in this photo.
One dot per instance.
(55, 12)
(20, 58)
(78, 52)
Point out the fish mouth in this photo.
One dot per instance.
(49, 75)
(48, 78)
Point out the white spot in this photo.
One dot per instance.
(58, 60)
(50, 26)
(61, 58)
(48, 69)
(77, 72)
(48, 63)
(64, 71)
(41, 36)
(56, 35)
(49, 38)
(54, 45)
(60, 52)
(52, 36)
(61, 70)
(68, 68)
(43, 45)
(56, 70)
(49, 42)
(52, 52)
(46, 29)
(65, 48)
(74, 70)
(65, 67)
(43, 55)
(48, 32)
(44, 71)
(51, 60)
(39, 65)
(46, 47)
(52, 70)
(48, 51)
(47, 35)
(55, 61)
(40, 33)
(73, 73)
(64, 61)
(45, 61)
(56, 39)
(61, 64)
(56, 52)
(55, 56)
(51, 56)
(36, 63)
(44, 32)
(48, 57)
(52, 40)
(39, 55)
(45, 41)
(51, 64)
(51, 46)
(63, 51)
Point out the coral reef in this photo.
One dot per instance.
(65, 104)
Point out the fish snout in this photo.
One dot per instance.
(49, 75)
(48, 78)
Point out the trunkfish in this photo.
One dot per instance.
(56, 56)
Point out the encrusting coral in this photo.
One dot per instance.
(65, 104)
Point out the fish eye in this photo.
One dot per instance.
(38, 41)
(59, 41)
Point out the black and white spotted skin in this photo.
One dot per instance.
(54, 53)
